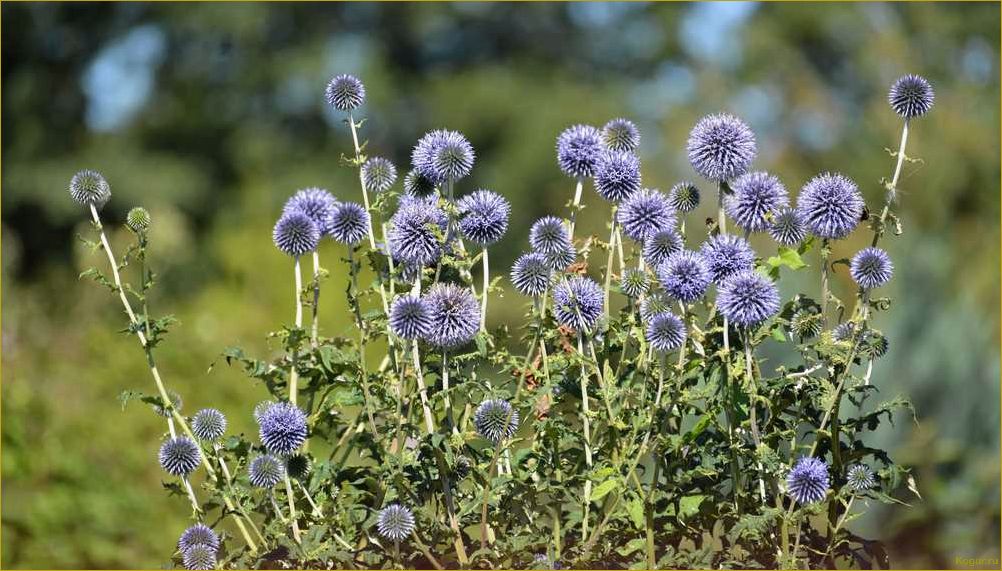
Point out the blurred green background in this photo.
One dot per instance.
(211, 115)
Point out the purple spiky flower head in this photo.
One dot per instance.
(345, 92)
(871, 268)
(453, 316)
(180, 456)
(378, 174)
(747, 298)
(443, 155)
(395, 522)
(265, 471)
(578, 303)
(617, 175)
(721, 147)
(788, 227)
(314, 202)
(665, 332)
(296, 234)
(726, 254)
(90, 187)
(549, 235)
(911, 96)
(621, 135)
(409, 317)
(635, 282)
(685, 276)
(831, 205)
(684, 197)
(483, 216)
(578, 150)
(755, 199)
(654, 303)
(416, 184)
(417, 232)
(859, 478)
(530, 274)
(198, 558)
(198, 534)
(562, 258)
(282, 428)
(349, 223)
(208, 425)
(496, 420)
(661, 244)
(645, 213)
(807, 482)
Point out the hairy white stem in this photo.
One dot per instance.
(574, 208)
(483, 294)
(293, 373)
(315, 330)
(586, 425)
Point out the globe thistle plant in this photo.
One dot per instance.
(788, 227)
(660, 245)
(684, 197)
(634, 283)
(176, 403)
(296, 234)
(483, 217)
(747, 298)
(911, 96)
(199, 557)
(260, 408)
(409, 317)
(548, 235)
(645, 213)
(806, 324)
(577, 303)
(378, 174)
(453, 316)
(721, 147)
(726, 255)
(443, 156)
(831, 206)
(807, 482)
(617, 175)
(755, 199)
(314, 202)
(859, 478)
(531, 274)
(90, 188)
(416, 184)
(417, 233)
(265, 471)
(621, 135)
(298, 466)
(198, 534)
(282, 428)
(496, 420)
(208, 425)
(395, 522)
(578, 151)
(665, 332)
(559, 260)
(871, 268)
(349, 223)
(685, 276)
(138, 220)
(180, 456)
(345, 92)
(654, 303)
(873, 345)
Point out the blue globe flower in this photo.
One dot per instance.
(282, 428)
(416, 184)
(180, 456)
(831, 205)
(90, 187)
(871, 268)
(665, 332)
(562, 258)
(634, 282)
(685, 276)
(531, 273)
(747, 298)
(198, 534)
(296, 234)
(378, 174)
(265, 471)
(549, 235)
(495, 420)
(483, 216)
(578, 303)
(395, 522)
(208, 424)
(725, 255)
(349, 223)
(443, 155)
(684, 197)
(617, 175)
(788, 227)
(417, 232)
(911, 96)
(659, 245)
(578, 150)
(409, 317)
(453, 314)
(721, 147)
(644, 214)
(199, 557)
(345, 92)
(860, 478)
(621, 135)
(314, 202)
(654, 303)
(756, 197)
(807, 482)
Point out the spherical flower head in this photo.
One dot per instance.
(685, 276)
(260, 408)
(549, 235)
(788, 227)
(577, 303)
(621, 135)
(660, 245)
(562, 258)
(747, 298)
(314, 202)
(462, 468)
(453, 314)
(89, 187)
(846, 331)
(644, 214)
(443, 155)
(180, 456)
(911, 96)
(198, 534)
(807, 482)
(395, 522)
(721, 147)
(755, 199)
(417, 233)
(345, 92)
(831, 205)
(296, 234)
(578, 150)
(873, 345)
(806, 324)
(860, 478)
(665, 332)
(726, 254)
(416, 184)
(265, 471)
(871, 268)
(175, 401)
(138, 220)
(617, 175)
(208, 425)
(531, 274)
(495, 420)
(378, 174)
(634, 282)
(653, 304)
(199, 557)
(409, 317)
(298, 466)
(349, 223)
(483, 216)
(282, 428)
(684, 197)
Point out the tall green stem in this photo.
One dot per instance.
(586, 425)
(575, 206)
(362, 335)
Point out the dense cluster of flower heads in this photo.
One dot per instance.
(674, 272)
